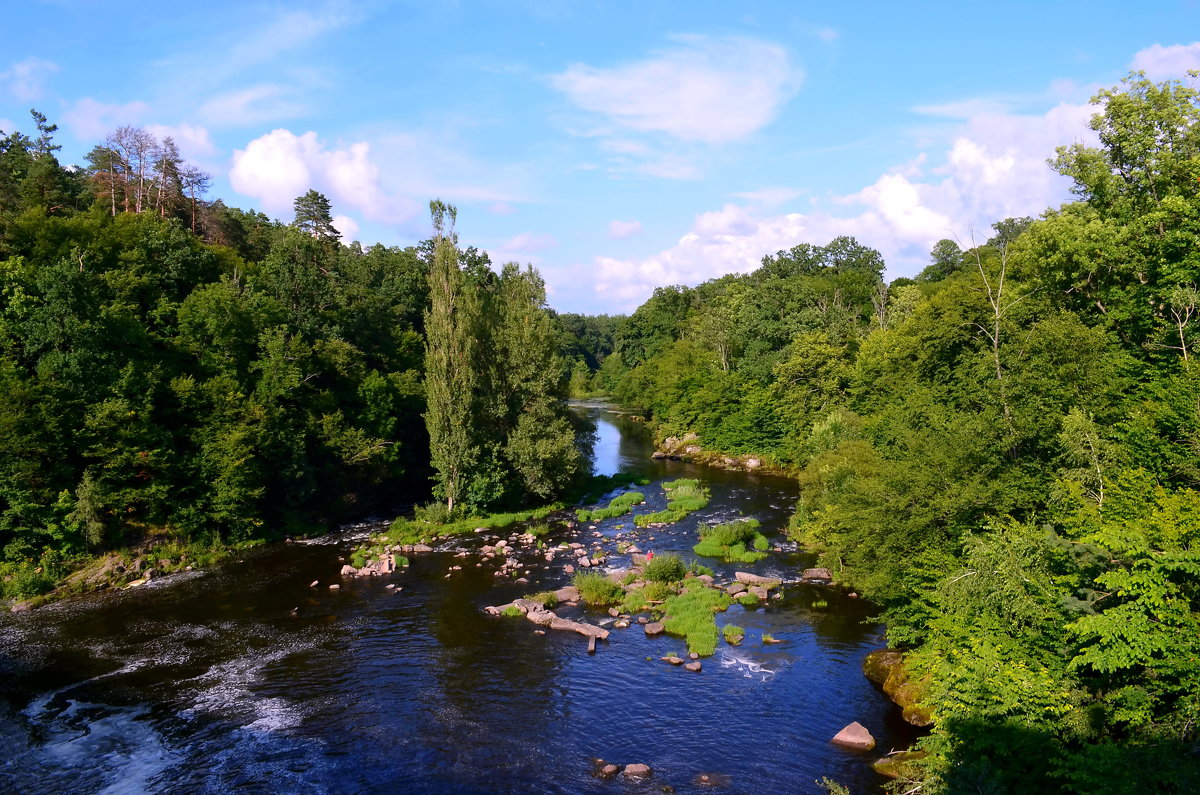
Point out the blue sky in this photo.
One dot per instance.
(615, 146)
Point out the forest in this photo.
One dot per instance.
(176, 370)
(1002, 453)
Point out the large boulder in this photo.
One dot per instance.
(855, 736)
(568, 593)
(757, 579)
(655, 628)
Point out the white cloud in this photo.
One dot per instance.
(347, 227)
(769, 197)
(26, 79)
(992, 168)
(246, 107)
(619, 229)
(708, 89)
(827, 34)
(529, 242)
(194, 141)
(279, 166)
(1174, 61)
(90, 120)
(501, 208)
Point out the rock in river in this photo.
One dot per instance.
(855, 736)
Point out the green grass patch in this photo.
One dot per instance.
(640, 599)
(731, 542)
(748, 600)
(546, 599)
(733, 634)
(690, 614)
(424, 526)
(664, 568)
(597, 590)
(685, 496)
(512, 611)
(599, 485)
(618, 506)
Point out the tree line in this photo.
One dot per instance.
(172, 367)
(1002, 452)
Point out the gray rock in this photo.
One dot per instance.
(755, 579)
(655, 628)
(638, 770)
(693, 666)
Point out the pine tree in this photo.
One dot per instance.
(314, 216)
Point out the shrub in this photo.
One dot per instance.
(597, 590)
(664, 568)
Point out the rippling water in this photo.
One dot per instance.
(244, 678)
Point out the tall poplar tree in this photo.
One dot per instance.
(449, 374)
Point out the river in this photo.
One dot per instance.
(244, 678)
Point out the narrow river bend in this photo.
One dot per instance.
(244, 678)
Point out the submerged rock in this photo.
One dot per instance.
(855, 736)
(694, 666)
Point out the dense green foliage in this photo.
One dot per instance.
(495, 382)
(175, 368)
(1003, 453)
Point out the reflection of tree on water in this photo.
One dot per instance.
(495, 702)
(586, 434)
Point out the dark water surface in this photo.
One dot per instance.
(208, 682)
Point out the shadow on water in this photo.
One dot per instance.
(246, 678)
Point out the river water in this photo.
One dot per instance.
(244, 678)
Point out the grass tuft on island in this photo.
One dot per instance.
(686, 495)
(596, 590)
(431, 521)
(733, 634)
(618, 506)
(732, 541)
(691, 613)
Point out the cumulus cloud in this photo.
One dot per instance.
(707, 89)
(346, 226)
(993, 167)
(279, 166)
(90, 120)
(26, 79)
(1174, 61)
(619, 229)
